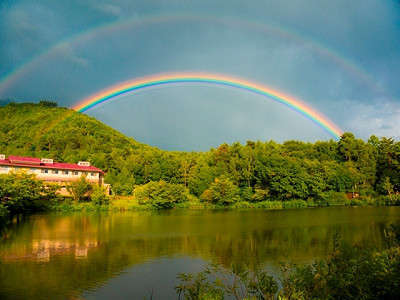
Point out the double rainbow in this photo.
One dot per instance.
(214, 79)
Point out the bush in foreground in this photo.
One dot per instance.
(347, 273)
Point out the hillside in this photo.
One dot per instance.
(256, 171)
(32, 129)
(65, 135)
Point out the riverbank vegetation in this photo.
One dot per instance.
(349, 272)
(21, 193)
(261, 174)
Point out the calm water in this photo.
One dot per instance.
(127, 255)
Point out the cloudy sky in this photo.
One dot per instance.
(341, 57)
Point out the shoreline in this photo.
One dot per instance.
(129, 204)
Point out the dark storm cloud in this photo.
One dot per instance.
(311, 60)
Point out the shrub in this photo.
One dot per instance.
(295, 204)
(246, 193)
(260, 195)
(48, 103)
(99, 196)
(216, 282)
(21, 192)
(311, 202)
(269, 204)
(349, 272)
(221, 192)
(242, 204)
(357, 202)
(393, 200)
(336, 199)
(79, 189)
(3, 213)
(160, 194)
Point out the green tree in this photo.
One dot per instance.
(21, 193)
(161, 194)
(48, 103)
(260, 195)
(347, 146)
(221, 191)
(387, 186)
(98, 196)
(79, 188)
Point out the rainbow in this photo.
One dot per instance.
(107, 29)
(214, 79)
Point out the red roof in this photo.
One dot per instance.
(22, 161)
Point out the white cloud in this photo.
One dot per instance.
(68, 53)
(110, 9)
(381, 118)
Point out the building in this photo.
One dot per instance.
(53, 172)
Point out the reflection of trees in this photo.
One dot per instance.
(107, 244)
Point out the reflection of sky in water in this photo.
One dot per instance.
(58, 255)
(156, 277)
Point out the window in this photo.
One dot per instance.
(92, 174)
(45, 171)
(65, 172)
(76, 173)
(55, 171)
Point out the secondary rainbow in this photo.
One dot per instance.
(213, 79)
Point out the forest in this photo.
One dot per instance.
(321, 173)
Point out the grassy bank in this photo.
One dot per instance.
(130, 203)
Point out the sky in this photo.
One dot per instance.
(340, 57)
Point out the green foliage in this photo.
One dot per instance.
(22, 193)
(80, 189)
(295, 204)
(67, 207)
(246, 194)
(160, 194)
(347, 273)
(387, 187)
(319, 172)
(260, 195)
(3, 211)
(332, 198)
(242, 205)
(222, 191)
(197, 287)
(98, 196)
(48, 103)
(216, 282)
(270, 204)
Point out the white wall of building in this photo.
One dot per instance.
(44, 174)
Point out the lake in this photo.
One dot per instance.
(138, 254)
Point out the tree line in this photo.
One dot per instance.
(258, 171)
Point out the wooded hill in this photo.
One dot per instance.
(256, 171)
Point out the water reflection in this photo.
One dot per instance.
(58, 255)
